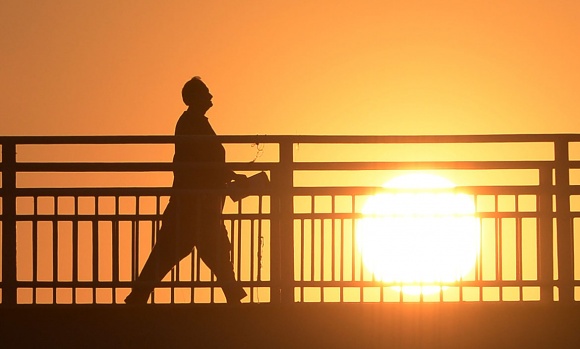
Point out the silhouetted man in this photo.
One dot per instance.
(192, 217)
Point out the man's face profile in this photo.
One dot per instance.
(197, 96)
(205, 98)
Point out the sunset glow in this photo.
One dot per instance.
(290, 174)
(419, 231)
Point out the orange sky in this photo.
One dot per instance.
(291, 67)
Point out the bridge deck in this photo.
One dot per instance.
(438, 325)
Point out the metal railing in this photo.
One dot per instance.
(66, 240)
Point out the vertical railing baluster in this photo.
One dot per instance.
(35, 249)
(519, 257)
(55, 248)
(95, 256)
(565, 240)
(333, 242)
(499, 248)
(282, 226)
(312, 244)
(155, 226)
(341, 261)
(519, 252)
(75, 249)
(135, 241)
(545, 236)
(259, 246)
(252, 258)
(9, 281)
(115, 249)
(479, 259)
(238, 244)
(353, 255)
(302, 260)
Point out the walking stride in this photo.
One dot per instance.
(192, 218)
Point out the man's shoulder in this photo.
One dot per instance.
(191, 125)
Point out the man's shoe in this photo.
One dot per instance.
(134, 298)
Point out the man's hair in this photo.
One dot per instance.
(192, 89)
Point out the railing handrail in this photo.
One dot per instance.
(160, 139)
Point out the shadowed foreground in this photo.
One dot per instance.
(516, 325)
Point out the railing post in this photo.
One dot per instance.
(565, 239)
(9, 223)
(546, 236)
(282, 226)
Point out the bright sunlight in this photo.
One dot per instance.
(419, 233)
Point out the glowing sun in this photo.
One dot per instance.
(419, 233)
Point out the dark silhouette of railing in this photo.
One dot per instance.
(291, 242)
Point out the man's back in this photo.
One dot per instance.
(197, 153)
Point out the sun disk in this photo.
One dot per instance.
(419, 233)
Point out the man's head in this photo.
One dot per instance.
(196, 95)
